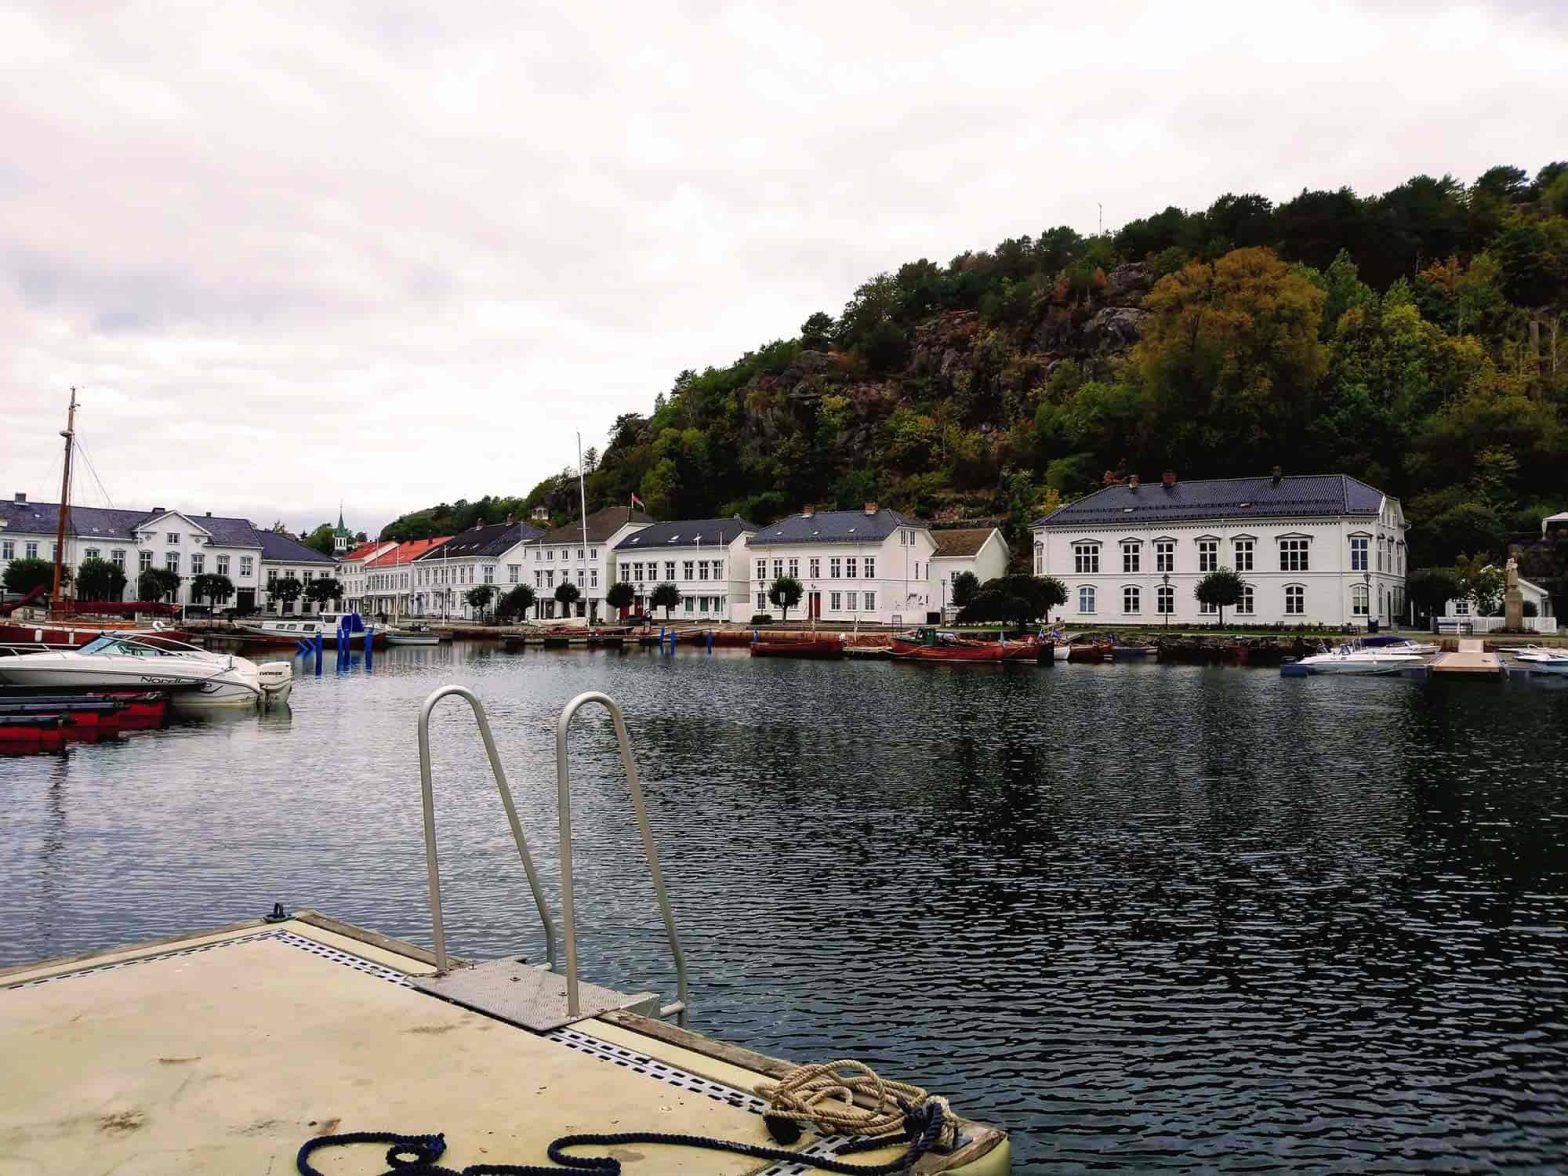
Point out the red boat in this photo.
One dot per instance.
(29, 736)
(817, 647)
(949, 647)
(82, 716)
(74, 633)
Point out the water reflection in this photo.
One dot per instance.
(1146, 916)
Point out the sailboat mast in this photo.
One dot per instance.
(65, 501)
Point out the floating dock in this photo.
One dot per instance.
(1471, 660)
(226, 1051)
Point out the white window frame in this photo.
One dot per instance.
(1244, 554)
(1295, 553)
(1132, 556)
(1086, 594)
(1298, 593)
(1086, 557)
(1208, 555)
(1132, 594)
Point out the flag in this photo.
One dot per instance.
(638, 503)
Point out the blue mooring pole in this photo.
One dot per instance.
(342, 648)
(710, 642)
(370, 647)
(672, 642)
(317, 643)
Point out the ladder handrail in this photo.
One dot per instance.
(506, 802)
(568, 907)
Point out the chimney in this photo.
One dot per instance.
(871, 508)
(157, 510)
(1277, 475)
(1132, 483)
(808, 510)
(209, 514)
(1168, 480)
(20, 496)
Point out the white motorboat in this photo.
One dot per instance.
(1540, 659)
(287, 630)
(1358, 659)
(416, 634)
(194, 678)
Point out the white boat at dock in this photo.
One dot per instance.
(1540, 659)
(1355, 658)
(194, 678)
(415, 634)
(286, 630)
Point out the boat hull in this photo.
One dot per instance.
(972, 652)
(821, 648)
(55, 633)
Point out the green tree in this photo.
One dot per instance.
(323, 589)
(515, 604)
(211, 586)
(98, 579)
(620, 595)
(665, 596)
(157, 583)
(816, 333)
(320, 539)
(1221, 589)
(566, 595)
(479, 597)
(1016, 599)
(785, 592)
(286, 589)
(23, 575)
(965, 585)
(1430, 589)
(1482, 583)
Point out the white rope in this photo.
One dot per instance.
(847, 1097)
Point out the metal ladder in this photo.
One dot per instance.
(573, 989)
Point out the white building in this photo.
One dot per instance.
(1317, 550)
(492, 555)
(389, 578)
(980, 551)
(187, 544)
(866, 565)
(283, 558)
(704, 558)
(1460, 615)
(353, 575)
(581, 555)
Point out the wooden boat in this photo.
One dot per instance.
(817, 647)
(949, 647)
(1090, 651)
(75, 633)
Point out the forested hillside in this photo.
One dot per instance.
(1412, 339)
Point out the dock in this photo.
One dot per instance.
(1471, 660)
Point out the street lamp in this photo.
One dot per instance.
(1165, 580)
(1366, 578)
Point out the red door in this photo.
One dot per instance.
(814, 606)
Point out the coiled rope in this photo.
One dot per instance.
(896, 1111)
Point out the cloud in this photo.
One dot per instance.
(401, 253)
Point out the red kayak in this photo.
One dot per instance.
(818, 647)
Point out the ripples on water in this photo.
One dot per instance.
(1143, 916)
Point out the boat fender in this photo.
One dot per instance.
(277, 915)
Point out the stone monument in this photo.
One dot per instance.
(1513, 599)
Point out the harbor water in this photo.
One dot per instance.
(1145, 917)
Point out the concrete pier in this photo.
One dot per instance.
(1471, 660)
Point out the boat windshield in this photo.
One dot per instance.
(115, 645)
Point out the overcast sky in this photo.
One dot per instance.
(400, 257)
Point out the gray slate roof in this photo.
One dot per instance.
(281, 549)
(834, 526)
(491, 539)
(602, 524)
(97, 522)
(1306, 496)
(686, 533)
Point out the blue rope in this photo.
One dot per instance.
(416, 1155)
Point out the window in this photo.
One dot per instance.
(836, 601)
(30, 549)
(1293, 556)
(1039, 559)
(871, 569)
(1295, 600)
(1086, 561)
(1207, 610)
(762, 601)
(1086, 598)
(794, 568)
(1380, 553)
(90, 553)
(593, 576)
(814, 566)
(1208, 554)
(1461, 607)
(1165, 555)
(173, 537)
(512, 571)
(849, 567)
(718, 569)
(489, 573)
(198, 563)
(762, 569)
(581, 578)
(538, 578)
(778, 568)
(549, 578)
(1358, 553)
(171, 560)
(689, 569)
(833, 568)
(702, 569)
(1243, 555)
(8, 549)
(246, 564)
(871, 601)
(1132, 556)
(690, 602)
(669, 570)
(1130, 599)
(222, 562)
(579, 553)
(1165, 600)
(549, 553)
(1245, 606)
(1359, 600)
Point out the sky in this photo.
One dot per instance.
(390, 254)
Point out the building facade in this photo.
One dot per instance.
(353, 575)
(185, 543)
(980, 551)
(1310, 550)
(492, 555)
(389, 578)
(870, 566)
(581, 554)
(282, 558)
(704, 558)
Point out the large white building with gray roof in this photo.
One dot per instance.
(871, 566)
(1312, 550)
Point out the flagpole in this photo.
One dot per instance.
(582, 492)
